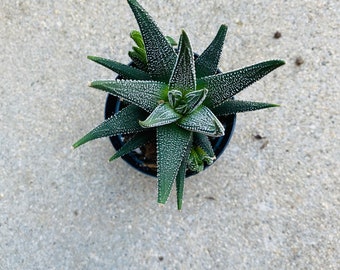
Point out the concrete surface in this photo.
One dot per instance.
(271, 203)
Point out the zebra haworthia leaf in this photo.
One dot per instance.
(138, 140)
(123, 122)
(202, 120)
(195, 99)
(162, 115)
(206, 64)
(172, 145)
(225, 85)
(138, 60)
(174, 97)
(145, 94)
(180, 178)
(237, 106)
(183, 77)
(142, 54)
(137, 38)
(128, 72)
(202, 141)
(161, 56)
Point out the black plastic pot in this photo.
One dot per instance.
(114, 105)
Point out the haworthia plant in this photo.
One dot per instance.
(176, 96)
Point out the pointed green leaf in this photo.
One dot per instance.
(204, 156)
(182, 107)
(206, 64)
(137, 141)
(172, 144)
(236, 106)
(138, 61)
(123, 122)
(202, 120)
(180, 178)
(162, 115)
(203, 141)
(145, 94)
(195, 163)
(174, 97)
(141, 52)
(183, 77)
(137, 38)
(160, 55)
(195, 99)
(198, 157)
(126, 71)
(171, 41)
(225, 85)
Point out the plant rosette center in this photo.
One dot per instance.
(186, 103)
(186, 109)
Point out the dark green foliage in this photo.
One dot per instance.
(175, 97)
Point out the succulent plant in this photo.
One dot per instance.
(176, 97)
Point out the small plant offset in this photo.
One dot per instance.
(175, 99)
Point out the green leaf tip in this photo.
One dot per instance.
(237, 106)
(133, 2)
(144, 94)
(136, 141)
(113, 157)
(170, 156)
(279, 62)
(204, 121)
(79, 143)
(162, 115)
(161, 57)
(183, 76)
(123, 122)
(76, 145)
(137, 38)
(126, 71)
(225, 85)
(207, 63)
(184, 36)
(171, 41)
